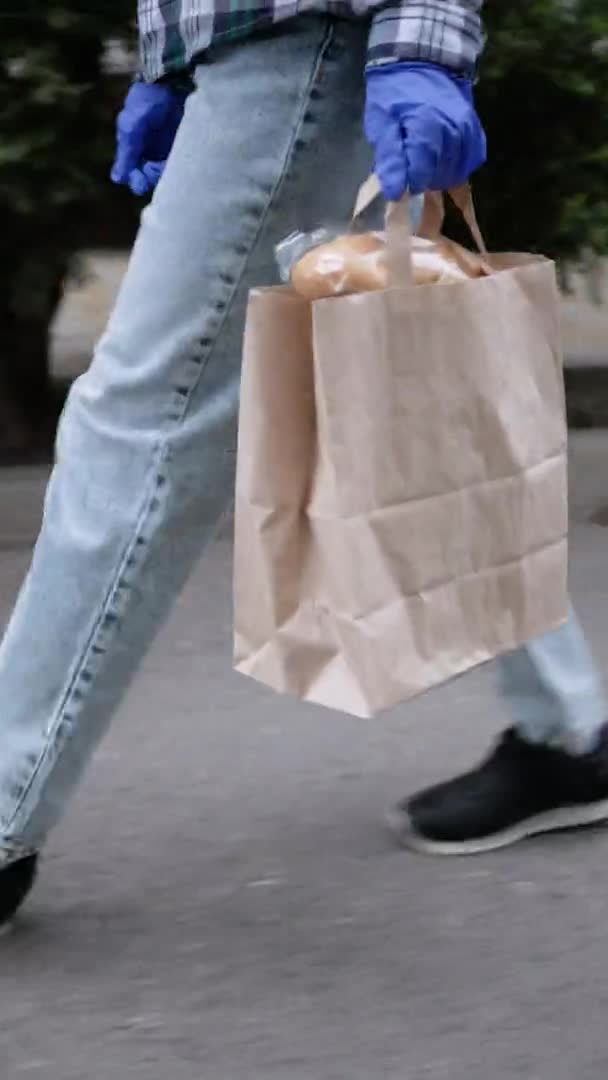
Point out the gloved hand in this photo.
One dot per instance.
(145, 130)
(421, 122)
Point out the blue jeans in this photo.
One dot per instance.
(270, 142)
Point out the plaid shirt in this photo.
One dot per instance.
(447, 32)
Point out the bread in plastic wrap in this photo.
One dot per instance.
(358, 262)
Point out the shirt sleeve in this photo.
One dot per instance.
(446, 32)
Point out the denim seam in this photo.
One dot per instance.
(199, 358)
(54, 728)
(62, 718)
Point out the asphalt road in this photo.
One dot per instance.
(223, 903)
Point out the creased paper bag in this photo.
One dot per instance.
(401, 507)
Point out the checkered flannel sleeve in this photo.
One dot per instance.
(446, 32)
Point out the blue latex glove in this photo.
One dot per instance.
(421, 122)
(145, 130)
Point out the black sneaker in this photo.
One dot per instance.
(16, 881)
(520, 790)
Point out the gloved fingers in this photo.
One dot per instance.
(143, 180)
(138, 182)
(441, 154)
(390, 161)
(145, 130)
(130, 134)
(160, 137)
(153, 170)
(464, 151)
(126, 159)
(425, 151)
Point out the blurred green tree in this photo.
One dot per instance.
(543, 94)
(56, 125)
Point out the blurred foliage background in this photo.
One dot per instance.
(543, 95)
(56, 123)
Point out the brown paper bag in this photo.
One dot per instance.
(401, 509)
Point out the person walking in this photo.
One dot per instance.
(248, 122)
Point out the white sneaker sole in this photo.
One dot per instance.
(569, 817)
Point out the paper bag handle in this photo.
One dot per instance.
(398, 231)
(434, 213)
(398, 225)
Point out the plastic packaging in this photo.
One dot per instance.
(324, 263)
(290, 250)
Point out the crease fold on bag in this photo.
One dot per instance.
(401, 499)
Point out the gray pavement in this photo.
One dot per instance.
(222, 901)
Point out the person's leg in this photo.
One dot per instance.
(270, 142)
(549, 771)
(554, 692)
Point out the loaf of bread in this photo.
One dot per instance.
(357, 262)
